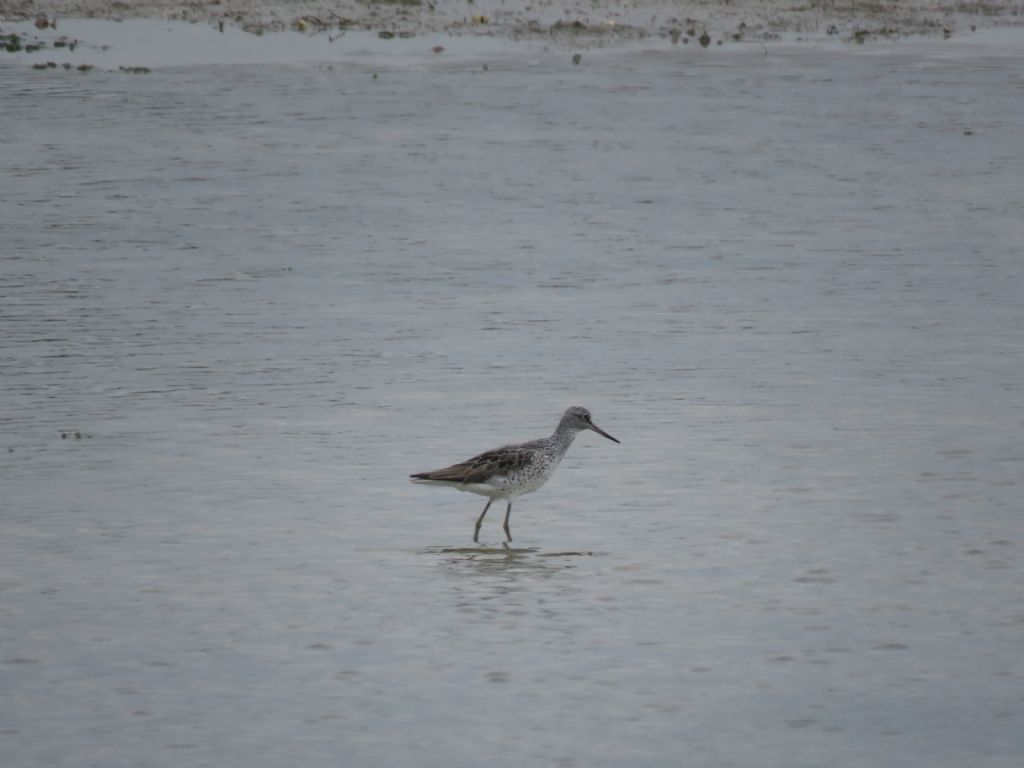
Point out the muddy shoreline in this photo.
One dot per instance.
(573, 23)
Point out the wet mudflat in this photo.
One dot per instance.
(240, 304)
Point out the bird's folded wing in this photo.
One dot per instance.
(479, 469)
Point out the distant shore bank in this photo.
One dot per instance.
(570, 23)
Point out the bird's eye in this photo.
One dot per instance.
(586, 417)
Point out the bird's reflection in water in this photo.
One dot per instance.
(508, 580)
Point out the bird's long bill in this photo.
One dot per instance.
(602, 432)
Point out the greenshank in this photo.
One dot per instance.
(513, 470)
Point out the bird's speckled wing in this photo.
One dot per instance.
(479, 469)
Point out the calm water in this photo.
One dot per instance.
(263, 295)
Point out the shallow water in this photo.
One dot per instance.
(241, 304)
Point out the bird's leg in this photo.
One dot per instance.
(507, 513)
(480, 521)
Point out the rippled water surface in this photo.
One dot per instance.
(241, 304)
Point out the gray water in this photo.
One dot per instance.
(241, 304)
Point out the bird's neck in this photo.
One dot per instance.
(563, 438)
